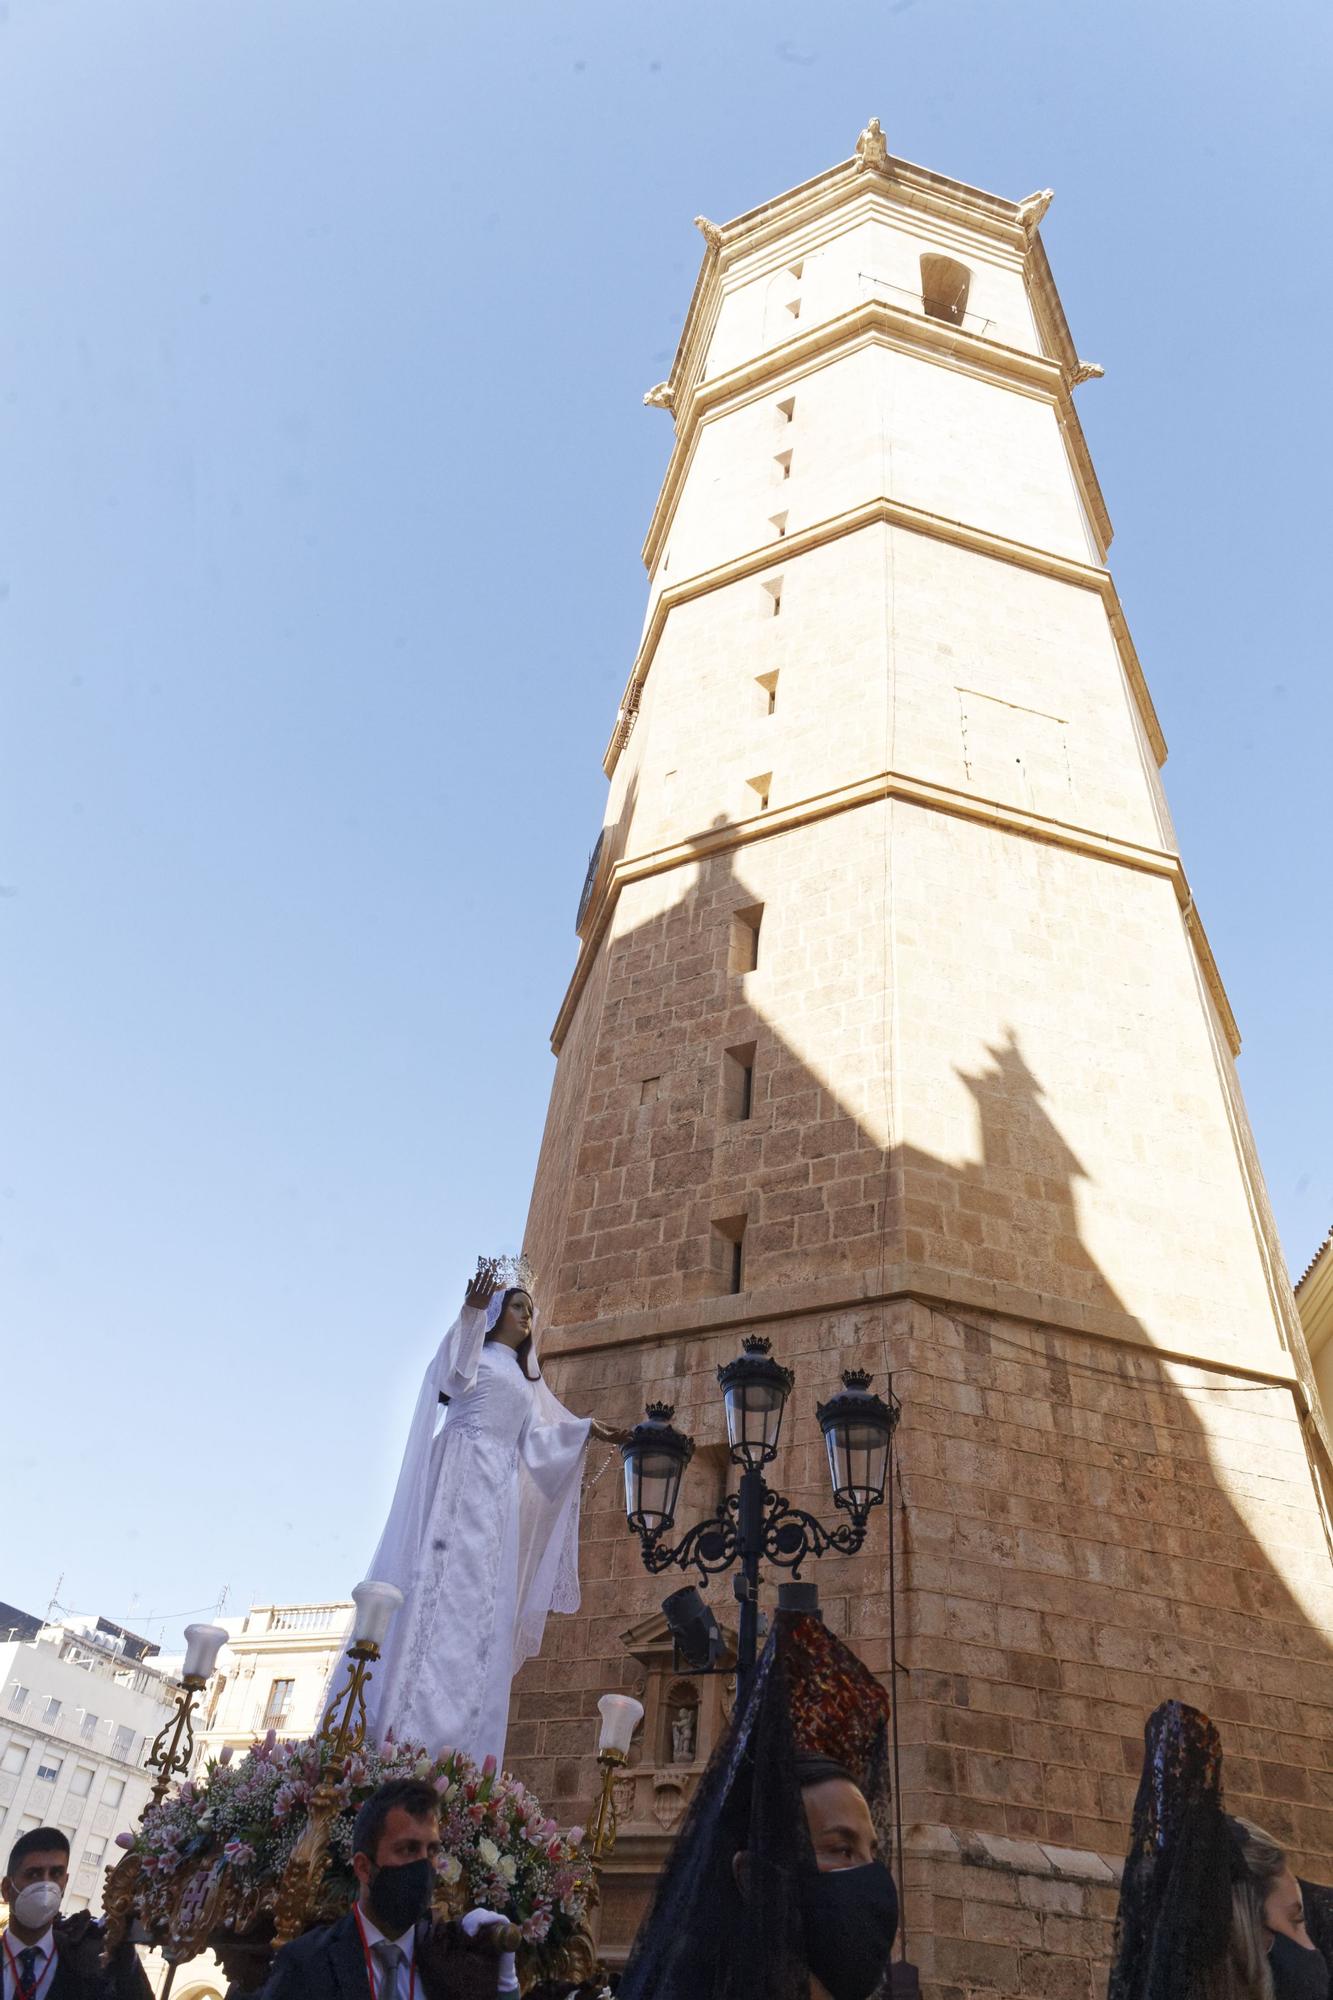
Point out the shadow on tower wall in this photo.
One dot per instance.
(1086, 1525)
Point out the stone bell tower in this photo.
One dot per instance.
(894, 1035)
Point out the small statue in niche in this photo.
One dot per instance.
(682, 1736)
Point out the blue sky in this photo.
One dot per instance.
(323, 475)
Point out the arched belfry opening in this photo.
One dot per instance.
(944, 288)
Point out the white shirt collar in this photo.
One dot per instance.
(407, 1943)
(45, 1944)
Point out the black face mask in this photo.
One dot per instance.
(398, 1896)
(1298, 1974)
(850, 1917)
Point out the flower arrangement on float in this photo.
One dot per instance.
(212, 1853)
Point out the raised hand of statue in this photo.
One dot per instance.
(609, 1433)
(483, 1285)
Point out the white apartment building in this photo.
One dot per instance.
(80, 1705)
(272, 1673)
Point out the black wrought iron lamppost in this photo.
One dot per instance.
(755, 1523)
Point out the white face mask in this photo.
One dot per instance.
(35, 1906)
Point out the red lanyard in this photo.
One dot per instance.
(375, 1993)
(20, 1992)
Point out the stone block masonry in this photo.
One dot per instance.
(894, 1035)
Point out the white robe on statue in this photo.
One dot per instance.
(482, 1539)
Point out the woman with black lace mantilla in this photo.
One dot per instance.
(776, 1886)
(1209, 1906)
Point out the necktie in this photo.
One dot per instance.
(388, 1957)
(27, 1966)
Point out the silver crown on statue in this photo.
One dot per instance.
(515, 1274)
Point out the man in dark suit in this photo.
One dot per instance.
(386, 1947)
(49, 1957)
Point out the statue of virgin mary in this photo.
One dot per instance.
(482, 1535)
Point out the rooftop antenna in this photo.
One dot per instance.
(55, 1604)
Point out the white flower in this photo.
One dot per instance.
(451, 1868)
(507, 1868)
(488, 1851)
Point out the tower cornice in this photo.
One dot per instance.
(896, 184)
(876, 322)
(914, 791)
(917, 520)
(926, 1284)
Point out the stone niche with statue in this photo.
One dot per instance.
(685, 1714)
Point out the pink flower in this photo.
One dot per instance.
(125, 1840)
(225, 1754)
(575, 1836)
(489, 1768)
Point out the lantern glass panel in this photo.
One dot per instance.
(754, 1419)
(652, 1482)
(858, 1456)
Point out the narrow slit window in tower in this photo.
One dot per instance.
(778, 523)
(650, 1090)
(758, 791)
(738, 1083)
(745, 938)
(728, 1253)
(783, 463)
(787, 409)
(771, 599)
(944, 288)
(767, 685)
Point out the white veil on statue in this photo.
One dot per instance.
(550, 1453)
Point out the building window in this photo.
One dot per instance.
(51, 1714)
(95, 1852)
(279, 1702)
(787, 410)
(783, 463)
(738, 1083)
(82, 1781)
(770, 598)
(745, 938)
(728, 1253)
(13, 1758)
(768, 692)
(88, 1727)
(123, 1745)
(47, 1773)
(778, 523)
(113, 1791)
(18, 1698)
(759, 790)
(650, 1090)
(944, 289)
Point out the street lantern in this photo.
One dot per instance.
(755, 1388)
(655, 1457)
(754, 1523)
(858, 1429)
